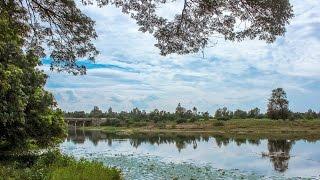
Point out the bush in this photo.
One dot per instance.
(161, 125)
(138, 124)
(218, 123)
(112, 122)
(54, 165)
(193, 119)
(223, 118)
(181, 120)
(84, 170)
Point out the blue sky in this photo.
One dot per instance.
(130, 73)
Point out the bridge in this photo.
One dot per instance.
(84, 121)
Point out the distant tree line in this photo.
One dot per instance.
(181, 115)
(277, 109)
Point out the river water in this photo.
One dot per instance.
(196, 155)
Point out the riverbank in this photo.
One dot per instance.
(253, 128)
(54, 166)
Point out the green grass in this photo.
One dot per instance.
(84, 170)
(55, 166)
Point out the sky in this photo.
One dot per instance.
(130, 72)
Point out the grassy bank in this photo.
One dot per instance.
(55, 166)
(255, 128)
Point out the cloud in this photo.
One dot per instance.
(130, 73)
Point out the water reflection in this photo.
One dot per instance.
(278, 151)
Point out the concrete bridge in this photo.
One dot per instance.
(84, 121)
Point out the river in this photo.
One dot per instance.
(196, 155)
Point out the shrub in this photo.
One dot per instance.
(112, 122)
(223, 118)
(218, 123)
(161, 125)
(181, 120)
(193, 119)
(139, 124)
(54, 165)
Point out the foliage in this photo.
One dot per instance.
(254, 113)
(54, 165)
(240, 114)
(310, 114)
(218, 123)
(68, 32)
(96, 112)
(181, 115)
(191, 28)
(139, 118)
(181, 120)
(223, 114)
(56, 24)
(26, 110)
(278, 105)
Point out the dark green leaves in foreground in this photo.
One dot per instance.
(60, 25)
(26, 109)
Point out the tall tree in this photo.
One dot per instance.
(310, 114)
(254, 113)
(194, 111)
(27, 112)
(180, 110)
(96, 112)
(240, 114)
(223, 114)
(278, 107)
(59, 24)
(110, 113)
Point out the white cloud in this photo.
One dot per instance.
(235, 74)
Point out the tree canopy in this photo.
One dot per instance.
(26, 110)
(61, 28)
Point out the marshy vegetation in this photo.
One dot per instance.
(53, 165)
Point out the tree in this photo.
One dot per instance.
(240, 114)
(110, 113)
(278, 105)
(79, 114)
(27, 111)
(310, 114)
(56, 24)
(223, 114)
(194, 111)
(62, 26)
(96, 112)
(254, 113)
(154, 115)
(191, 28)
(180, 110)
(206, 116)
